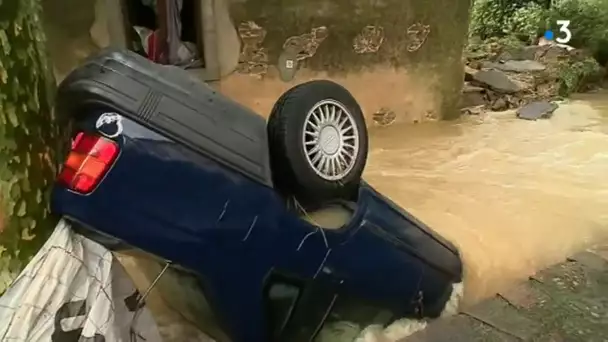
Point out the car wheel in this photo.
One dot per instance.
(318, 142)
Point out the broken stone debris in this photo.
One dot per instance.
(472, 96)
(495, 80)
(516, 66)
(537, 110)
(524, 54)
(500, 80)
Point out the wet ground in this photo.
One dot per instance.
(566, 302)
(514, 195)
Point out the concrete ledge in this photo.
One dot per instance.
(567, 302)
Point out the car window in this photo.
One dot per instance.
(350, 318)
(281, 297)
(177, 300)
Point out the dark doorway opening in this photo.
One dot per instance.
(148, 24)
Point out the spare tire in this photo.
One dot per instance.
(318, 143)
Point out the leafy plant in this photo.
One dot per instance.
(528, 19)
(574, 75)
(527, 22)
(497, 18)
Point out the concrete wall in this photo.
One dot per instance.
(402, 56)
(67, 24)
(397, 56)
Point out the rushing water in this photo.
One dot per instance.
(513, 195)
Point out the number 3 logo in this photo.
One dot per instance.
(563, 27)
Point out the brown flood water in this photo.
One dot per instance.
(513, 195)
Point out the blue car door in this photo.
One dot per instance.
(370, 264)
(302, 265)
(283, 285)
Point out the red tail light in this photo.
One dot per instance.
(90, 158)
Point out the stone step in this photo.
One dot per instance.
(567, 302)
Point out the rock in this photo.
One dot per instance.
(471, 99)
(468, 73)
(500, 104)
(473, 96)
(495, 80)
(468, 88)
(491, 96)
(516, 66)
(554, 52)
(476, 55)
(475, 65)
(529, 53)
(547, 90)
(505, 56)
(525, 53)
(514, 101)
(537, 110)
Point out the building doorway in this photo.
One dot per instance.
(166, 31)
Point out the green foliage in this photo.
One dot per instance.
(498, 18)
(528, 19)
(509, 24)
(487, 19)
(508, 43)
(576, 74)
(527, 22)
(493, 46)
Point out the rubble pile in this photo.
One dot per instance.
(498, 80)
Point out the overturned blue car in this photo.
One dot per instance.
(272, 218)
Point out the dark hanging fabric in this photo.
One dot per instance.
(174, 29)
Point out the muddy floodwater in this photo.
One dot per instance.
(513, 195)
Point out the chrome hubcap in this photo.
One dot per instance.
(330, 140)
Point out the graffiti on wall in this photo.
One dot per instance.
(369, 39)
(416, 36)
(306, 45)
(253, 59)
(384, 116)
(299, 48)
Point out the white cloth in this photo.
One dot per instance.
(74, 290)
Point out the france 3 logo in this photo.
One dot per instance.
(564, 35)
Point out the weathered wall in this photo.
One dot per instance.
(397, 55)
(67, 24)
(400, 56)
